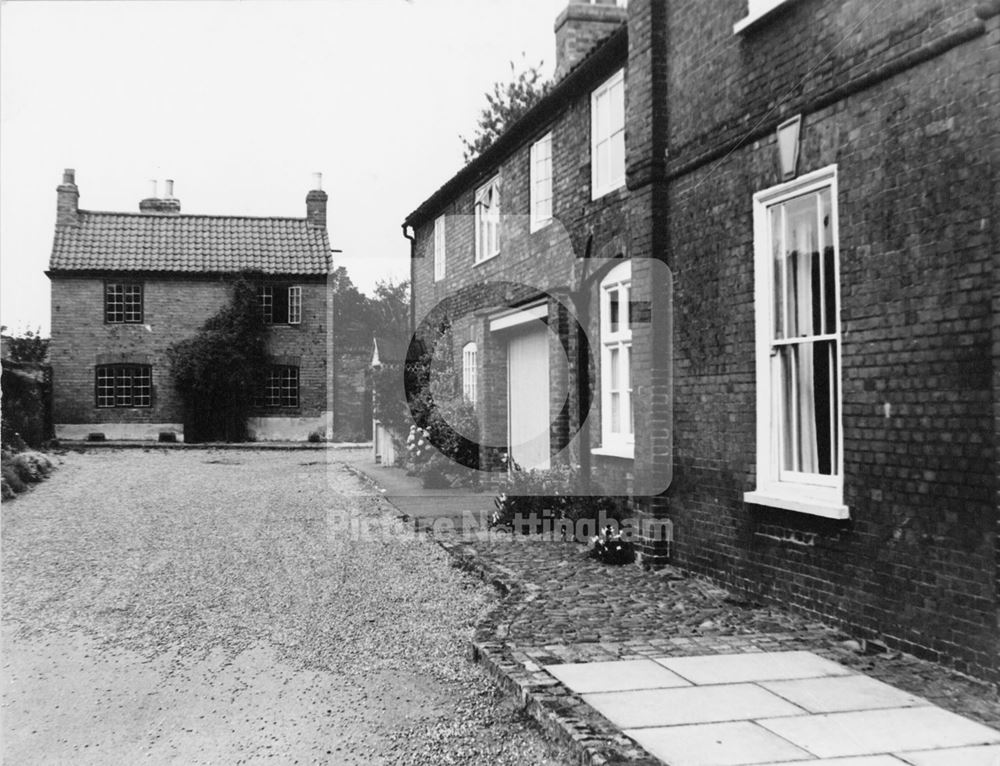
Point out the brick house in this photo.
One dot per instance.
(126, 286)
(818, 380)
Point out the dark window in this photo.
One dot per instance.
(123, 302)
(281, 304)
(124, 385)
(281, 388)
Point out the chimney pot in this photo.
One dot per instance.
(153, 188)
(318, 181)
(69, 177)
(169, 190)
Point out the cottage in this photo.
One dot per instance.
(126, 286)
(814, 383)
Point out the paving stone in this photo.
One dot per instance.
(861, 760)
(589, 677)
(735, 668)
(686, 705)
(842, 693)
(716, 744)
(986, 755)
(869, 732)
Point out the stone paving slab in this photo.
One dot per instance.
(765, 666)
(615, 676)
(869, 732)
(984, 755)
(701, 704)
(842, 694)
(722, 744)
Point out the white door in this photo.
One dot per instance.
(528, 396)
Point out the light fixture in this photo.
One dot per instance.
(788, 146)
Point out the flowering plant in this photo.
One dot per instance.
(418, 445)
(611, 548)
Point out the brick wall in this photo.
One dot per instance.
(916, 563)
(174, 309)
(550, 262)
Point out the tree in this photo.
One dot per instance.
(220, 371)
(504, 106)
(30, 347)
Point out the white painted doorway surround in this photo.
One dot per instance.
(528, 415)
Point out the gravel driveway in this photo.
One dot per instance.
(210, 606)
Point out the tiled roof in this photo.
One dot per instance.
(190, 243)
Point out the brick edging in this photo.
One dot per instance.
(594, 741)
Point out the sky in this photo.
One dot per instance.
(240, 103)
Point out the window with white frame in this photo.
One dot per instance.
(280, 304)
(123, 385)
(797, 306)
(541, 182)
(281, 387)
(607, 136)
(439, 245)
(123, 302)
(617, 419)
(469, 361)
(488, 220)
(756, 10)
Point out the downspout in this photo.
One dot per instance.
(413, 274)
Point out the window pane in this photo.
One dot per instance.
(829, 267)
(617, 157)
(778, 267)
(627, 385)
(294, 305)
(614, 365)
(614, 321)
(617, 104)
(809, 412)
(141, 387)
(616, 414)
(123, 387)
(802, 247)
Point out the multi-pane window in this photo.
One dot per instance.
(123, 302)
(607, 136)
(798, 342)
(124, 385)
(280, 304)
(617, 418)
(439, 248)
(541, 182)
(469, 363)
(488, 220)
(281, 387)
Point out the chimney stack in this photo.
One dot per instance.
(67, 200)
(166, 205)
(582, 26)
(316, 203)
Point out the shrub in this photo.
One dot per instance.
(96, 436)
(611, 547)
(315, 437)
(6, 491)
(32, 466)
(168, 436)
(557, 493)
(12, 478)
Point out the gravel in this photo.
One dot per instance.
(207, 606)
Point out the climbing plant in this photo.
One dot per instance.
(220, 371)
